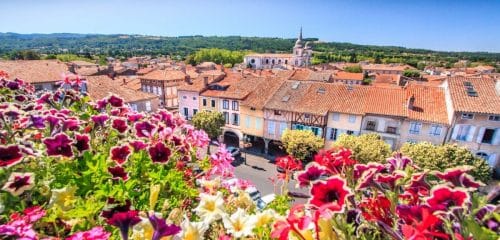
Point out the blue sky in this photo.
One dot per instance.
(466, 25)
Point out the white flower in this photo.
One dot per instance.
(142, 230)
(64, 197)
(192, 230)
(211, 207)
(239, 224)
(19, 182)
(264, 217)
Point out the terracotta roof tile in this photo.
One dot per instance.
(385, 101)
(263, 92)
(342, 75)
(99, 87)
(164, 75)
(288, 96)
(386, 79)
(487, 100)
(386, 67)
(429, 104)
(35, 71)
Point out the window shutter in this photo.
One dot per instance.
(470, 134)
(496, 137)
(455, 132)
(480, 134)
(492, 160)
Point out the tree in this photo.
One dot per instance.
(365, 148)
(433, 157)
(301, 143)
(353, 69)
(210, 122)
(411, 73)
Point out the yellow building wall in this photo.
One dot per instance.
(252, 121)
(209, 104)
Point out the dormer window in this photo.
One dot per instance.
(495, 118)
(467, 116)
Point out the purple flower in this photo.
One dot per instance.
(161, 228)
(312, 173)
(70, 124)
(20, 98)
(45, 98)
(37, 121)
(82, 142)
(53, 122)
(13, 85)
(100, 119)
(115, 101)
(159, 153)
(101, 104)
(144, 129)
(10, 155)
(19, 182)
(60, 144)
(120, 154)
(138, 145)
(124, 220)
(120, 125)
(118, 172)
(134, 117)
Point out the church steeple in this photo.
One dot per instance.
(300, 34)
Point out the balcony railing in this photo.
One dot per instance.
(391, 130)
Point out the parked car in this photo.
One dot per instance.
(235, 152)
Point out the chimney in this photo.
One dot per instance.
(124, 82)
(411, 101)
(205, 81)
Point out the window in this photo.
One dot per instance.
(159, 91)
(252, 61)
(276, 112)
(435, 130)
(463, 132)
(247, 121)
(336, 116)
(184, 97)
(352, 118)
(133, 106)
(495, 118)
(282, 128)
(235, 106)
(391, 130)
(225, 104)
(186, 112)
(415, 127)
(204, 102)
(213, 103)
(195, 111)
(270, 128)
(194, 98)
(148, 106)
(226, 117)
(286, 61)
(467, 116)
(258, 123)
(488, 136)
(236, 119)
(333, 134)
(349, 132)
(482, 155)
(252, 108)
(370, 125)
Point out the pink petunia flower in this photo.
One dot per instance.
(96, 233)
(120, 154)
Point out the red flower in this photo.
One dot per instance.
(443, 198)
(120, 125)
(281, 229)
(333, 192)
(418, 184)
(144, 129)
(335, 162)
(359, 169)
(458, 177)
(399, 162)
(120, 154)
(115, 101)
(288, 163)
(377, 209)
(159, 153)
(388, 181)
(420, 223)
(10, 155)
(312, 173)
(118, 172)
(82, 142)
(366, 179)
(60, 144)
(138, 145)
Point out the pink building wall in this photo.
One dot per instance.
(189, 101)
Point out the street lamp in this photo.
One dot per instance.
(246, 144)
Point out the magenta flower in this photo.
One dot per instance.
(118, 172)
(458, 177)
(10, 155)
(53, 122)
(70, 124)
(359, 169)
(138, 145)
(33, 214)
(389, 180)
(115, 101)
(82, 142)
(101, 104)
(96, 233)
(134, 117)
(45, 98)
(418, 184)
(37, 121)
(100, 120)
(399, 162)
(120, 154)
(59, 145)
(120, 125)
(332, 193)
(144, 129)
(161, 228)
(367, 179)
(124, 220)
(159, 153)
(443, 198)
(312, 173)
(19, 182)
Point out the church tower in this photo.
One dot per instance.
(298, 50)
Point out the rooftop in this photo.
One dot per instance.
(100, 87)
(474, 94)
(164, 75)
(35, 71)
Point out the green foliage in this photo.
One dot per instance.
(217, 56)
(72, 57)
(441, 157)
(411, 73)
(210, 122)
(23, 55)
(301, 143)
(353, 69)
(365, 148)
(280, 204)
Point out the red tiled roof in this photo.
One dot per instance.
(429, 104)
(99, 87)
(385, 101)
(386, 79)
(386, 67)
(342, 75)
(35, 71)
(263, 92)
(165, 75)
(487, 100)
